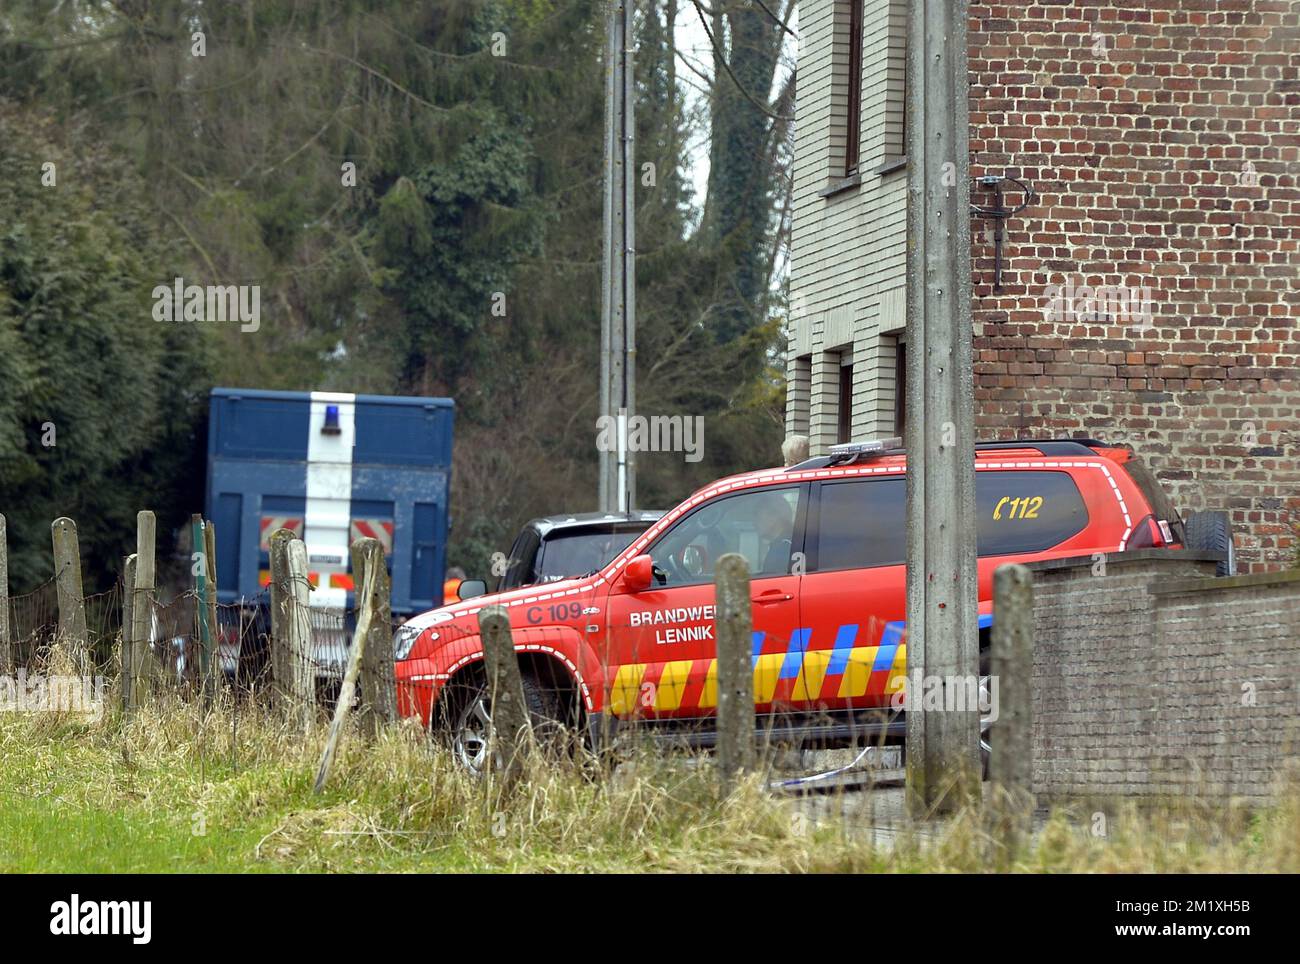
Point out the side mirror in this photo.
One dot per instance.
(469, 588)
(639, 574)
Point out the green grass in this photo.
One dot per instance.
(176, 789)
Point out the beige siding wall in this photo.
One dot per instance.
(849, 247)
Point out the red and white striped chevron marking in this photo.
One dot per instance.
(381, 529)
(270, 523)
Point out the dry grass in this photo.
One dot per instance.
(178, 787)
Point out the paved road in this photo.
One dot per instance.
(866, 800)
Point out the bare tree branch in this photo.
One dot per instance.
(721, 58)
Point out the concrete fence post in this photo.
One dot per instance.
(1011, 761)
(373, 596)
(735, 667)
(67, 576)
(6, 639)
(281, 653)
(303, 670)
(511, 728)
(279, 553)
(291, 654)
(137, 623)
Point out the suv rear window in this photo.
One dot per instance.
(567, 554)
(1026, 511)
(1154, 494)
(863, 522)
(519, 571)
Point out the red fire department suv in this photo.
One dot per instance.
(825, 542)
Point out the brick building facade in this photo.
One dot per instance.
(1150, 292)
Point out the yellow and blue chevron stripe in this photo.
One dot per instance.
(799, 674)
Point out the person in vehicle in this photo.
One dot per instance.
(794, 449)
(775, 523)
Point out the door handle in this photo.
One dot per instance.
(772, 596)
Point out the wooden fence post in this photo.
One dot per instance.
(209, 554)
(6, 641)
(366, 618)
(1011, 760)
(67, 574)
(735, 667)
(137, 626)
(512, 731)
(199, 569)
(373, 596)
(302, 673)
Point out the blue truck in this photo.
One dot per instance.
(333, 467)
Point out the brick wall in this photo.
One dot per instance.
(1154, 679)
(1163, 140)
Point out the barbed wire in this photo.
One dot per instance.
(240, 655)
(33, 619)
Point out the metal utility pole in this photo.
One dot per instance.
(942, 602)
(617, 490)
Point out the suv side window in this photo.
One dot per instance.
(863, 523)
(760, 525)
(1026, 511)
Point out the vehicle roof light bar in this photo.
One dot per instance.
(852, 451)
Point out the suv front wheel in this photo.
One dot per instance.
(468, 721)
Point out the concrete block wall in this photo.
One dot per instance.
(1153, 679)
